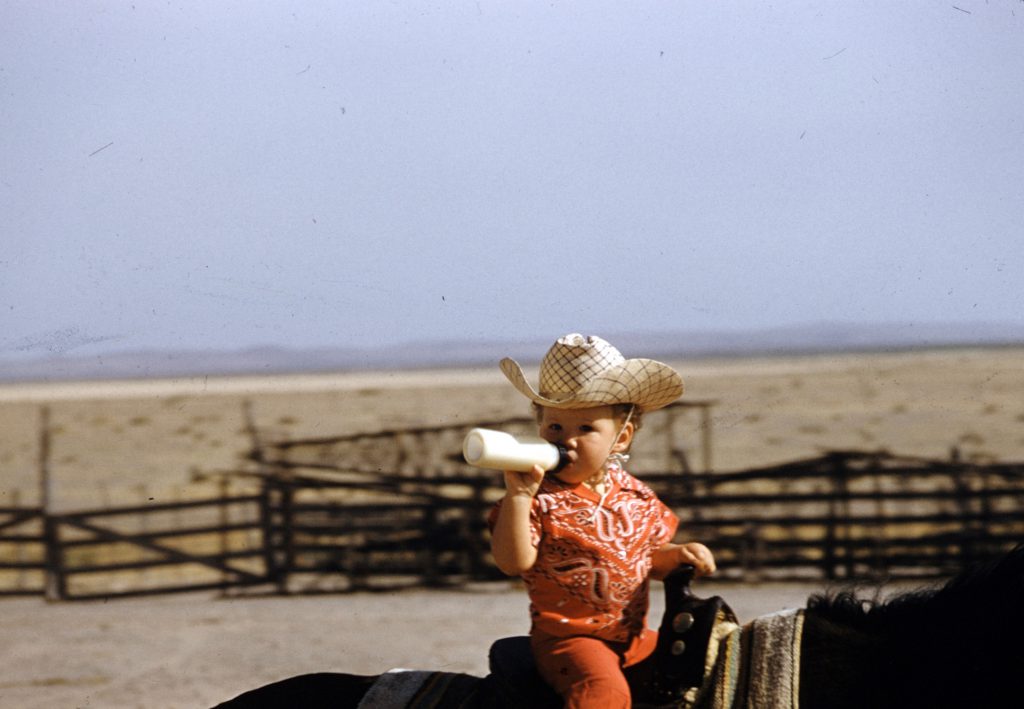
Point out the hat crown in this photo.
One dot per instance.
(573, 361)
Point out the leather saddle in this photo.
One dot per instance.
(660, 680)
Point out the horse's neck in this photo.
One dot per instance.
(841, 667)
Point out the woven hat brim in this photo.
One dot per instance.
(645, 382)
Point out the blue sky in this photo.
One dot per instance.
(220, 175)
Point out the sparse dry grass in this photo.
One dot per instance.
(135, 440)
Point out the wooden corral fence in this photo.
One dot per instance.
(402, 506)
(149, 549)
(852, 515)
(678, 437)
(323, 519)
(332, 535)
(845, 515)
(179, 546)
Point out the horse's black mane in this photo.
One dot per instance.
(957, 645)
(990, 590)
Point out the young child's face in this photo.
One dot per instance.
(589, 435)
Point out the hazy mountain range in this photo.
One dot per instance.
(807, 339)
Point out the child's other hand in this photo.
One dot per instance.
(525, 484)
(699, 556)
(669, 557)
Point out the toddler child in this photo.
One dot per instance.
(586, 538)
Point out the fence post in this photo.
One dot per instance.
(984, 525)
(256, 441)
(54, 581)
(706, 436)
(431, 575)
(972, 531)
(19, 556)
(752, 552)
(838, 515)
(287, 536)
(267, 531)
(224, 483)
(270, 502)
(879, 546)
(45, 484)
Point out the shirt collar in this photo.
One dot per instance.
(620, 480)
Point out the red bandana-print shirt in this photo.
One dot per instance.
(590, 577)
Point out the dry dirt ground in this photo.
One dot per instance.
(122, 442)
(125, 442)
(191, 651)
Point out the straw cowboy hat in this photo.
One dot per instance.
(579, 372)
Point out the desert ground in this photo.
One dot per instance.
(192, 651)
(120, 442)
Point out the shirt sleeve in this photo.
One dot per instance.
(666, 527)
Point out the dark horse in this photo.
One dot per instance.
(958, 645)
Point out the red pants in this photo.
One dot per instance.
(587, 672)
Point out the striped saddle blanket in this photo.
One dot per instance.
(757, 666)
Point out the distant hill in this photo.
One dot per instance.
(805, 339)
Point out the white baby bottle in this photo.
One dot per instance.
(498, 450)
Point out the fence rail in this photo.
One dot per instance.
(324, 528)
(136, 550)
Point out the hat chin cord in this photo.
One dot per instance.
(612, 460)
